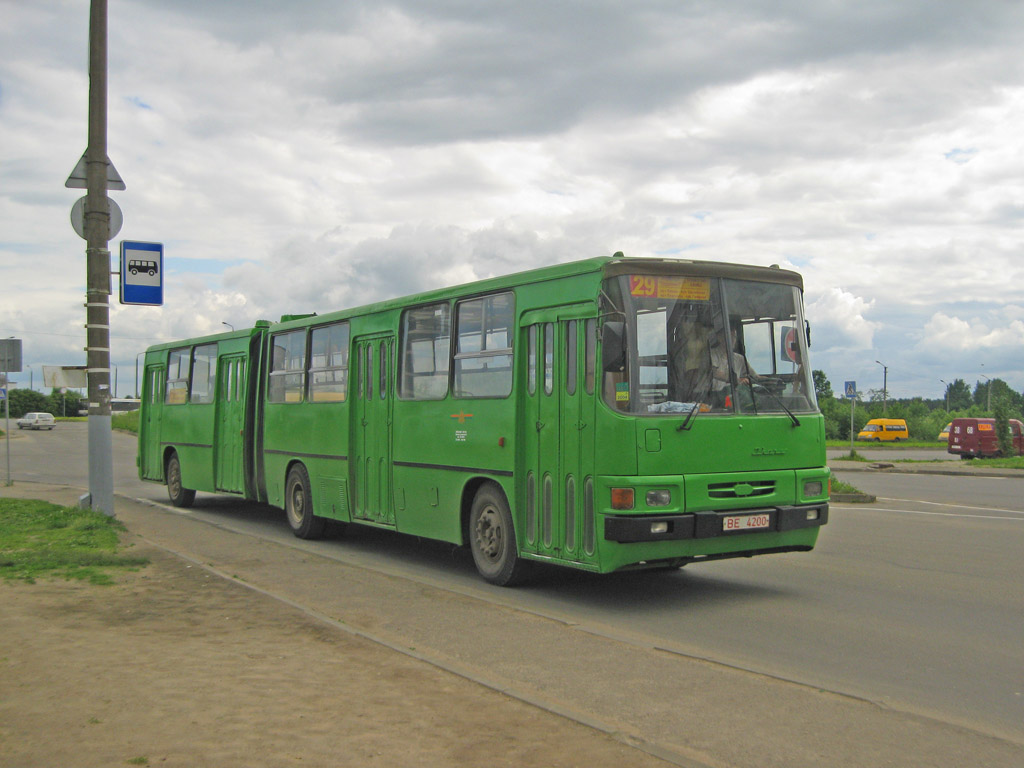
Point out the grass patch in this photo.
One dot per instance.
(40, 539)
(838, 486)
(852, 456)
(1010, 462)
(128, 421)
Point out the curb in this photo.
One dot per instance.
(852, 498)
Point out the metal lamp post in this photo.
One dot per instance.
(885, 386)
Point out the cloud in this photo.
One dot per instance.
(317, 158)
(842, 318)
(943, 332)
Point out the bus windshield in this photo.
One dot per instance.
(715, 345)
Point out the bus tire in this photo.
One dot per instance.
(492, 538)
(180, 495)
(298, 505)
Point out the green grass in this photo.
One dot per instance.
(128, 421)
(1011, 462)
(838, 486)
(39, 539)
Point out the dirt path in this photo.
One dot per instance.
(174, 666)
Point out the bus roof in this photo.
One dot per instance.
(605, 266)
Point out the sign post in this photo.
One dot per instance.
(851, 392)
(10, 362)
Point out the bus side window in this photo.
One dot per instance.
(177, 376)
(531, 376)
(590, 355)
(549, 358)
(287, 367)
(328, 363)
(571, 358)
(483, 353)
(426, 344)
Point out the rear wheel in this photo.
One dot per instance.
(492, 538)
(298, 505)
(179, 494)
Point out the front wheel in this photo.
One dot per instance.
(179, 494)
(492, 538)
(298, 505)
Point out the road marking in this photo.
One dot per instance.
(954, 506)
(937, 514)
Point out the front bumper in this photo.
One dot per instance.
(706, 525)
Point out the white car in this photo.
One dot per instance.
(37, 421)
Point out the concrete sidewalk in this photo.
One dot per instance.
(663, 702)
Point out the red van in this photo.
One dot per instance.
(970, 438)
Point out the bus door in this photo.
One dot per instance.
(371, 425)
(151, 460)
(229, 437)
(560, 398)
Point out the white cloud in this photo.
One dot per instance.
(944, 333)
(843, 317)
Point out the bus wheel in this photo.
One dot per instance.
(492, 538)
(298, 505)
(180, 495)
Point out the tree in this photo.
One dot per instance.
(64, 403)
(959, 395)
(1003, 436)
(27, 401)
(822, 386)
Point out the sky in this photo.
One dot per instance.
(314, 155)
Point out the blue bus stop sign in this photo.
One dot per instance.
(142, 273)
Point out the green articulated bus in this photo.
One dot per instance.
(604, 414)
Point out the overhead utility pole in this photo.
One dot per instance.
(97, 236)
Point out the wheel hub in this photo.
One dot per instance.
(488, 534)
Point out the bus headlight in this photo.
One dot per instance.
(812, 488)
(659, 498)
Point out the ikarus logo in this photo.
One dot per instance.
(768, 452)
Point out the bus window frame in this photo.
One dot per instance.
(484, 352)
(283, 374)
(331, 385)
(179, 353)
(407, 375)
(209, 394)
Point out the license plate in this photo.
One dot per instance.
(747, 522)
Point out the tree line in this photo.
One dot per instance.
(58, 403)
(925, 417)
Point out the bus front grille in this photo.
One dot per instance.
(742, 490)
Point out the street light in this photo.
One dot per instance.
(885, 385)
(947, 393)
(229, 325)
(988, 391)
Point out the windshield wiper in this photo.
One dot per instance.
(688, 421)
(777, 399)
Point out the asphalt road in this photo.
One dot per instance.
(915, 602)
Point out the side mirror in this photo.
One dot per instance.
(807, 331)
(613, 345)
